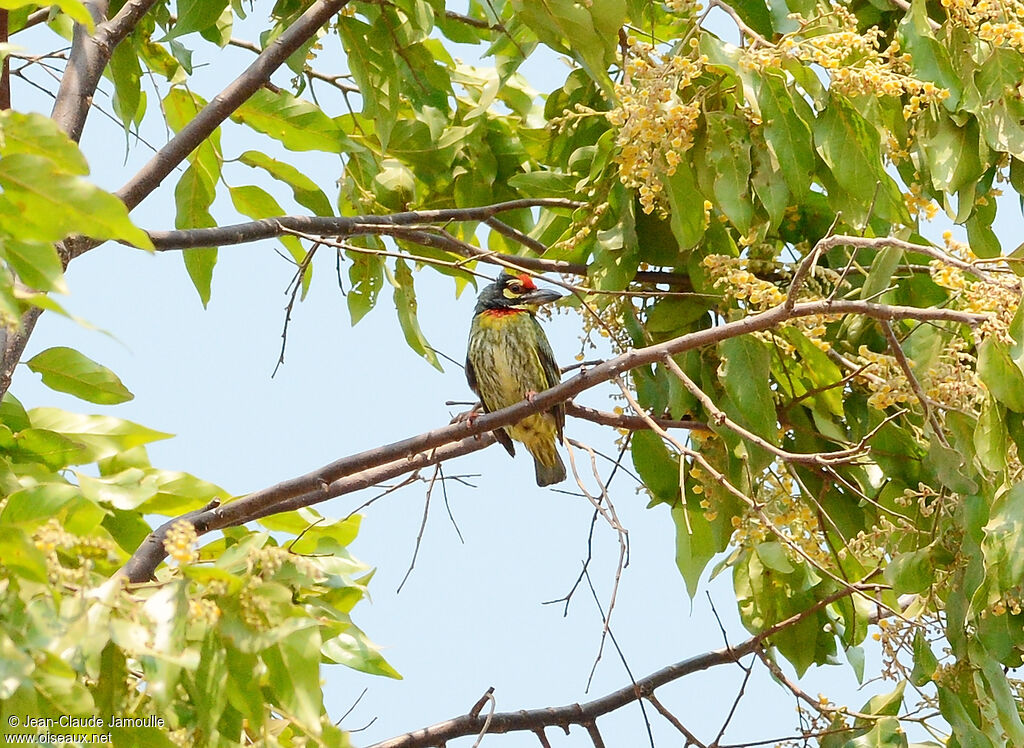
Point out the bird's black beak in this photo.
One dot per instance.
(539, 296)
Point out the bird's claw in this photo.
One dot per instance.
(470, 416)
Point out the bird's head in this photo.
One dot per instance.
(514, 293)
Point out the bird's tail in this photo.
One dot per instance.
(548, 465)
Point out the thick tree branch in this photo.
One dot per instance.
(408, 454)
(227, 101)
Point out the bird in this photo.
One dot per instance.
(509, 359)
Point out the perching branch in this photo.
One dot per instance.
(367, 468)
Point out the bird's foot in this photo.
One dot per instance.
(530, 394)
(470, 416)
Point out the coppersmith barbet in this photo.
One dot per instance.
(509, 360)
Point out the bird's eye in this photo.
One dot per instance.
(515, 287)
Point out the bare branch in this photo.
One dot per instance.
(691, 739)
(632, 423)
(335, 80)
(719, 416)
(915, 385)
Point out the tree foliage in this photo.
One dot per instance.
(828, 396)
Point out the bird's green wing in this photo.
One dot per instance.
(500, 434)
(552, 373)
(471, 377)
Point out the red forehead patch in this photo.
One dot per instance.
(527, 281)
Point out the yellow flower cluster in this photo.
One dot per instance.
(918, 204)
(203, 610)
(655, 122)
(1007, 604)
(731, 274)
(683, 7)
(603, 318)
(997, 295)
(1000, 22)
(855, 62)
(180, 542)
(952, 381)
(884, 378)
(785, 515)
(79, 551)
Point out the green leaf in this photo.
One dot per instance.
(588, 33)
(374, 68)
(354, 650)
(925, 661)
(36, 263)
(883, 267)
(75, 10)
(256, 203)
(126, 73)
(293, 667)
(756, 15)
(999, 374)
(687, 205)
(305, 190)
(911, 572)
(102, 436)
(22, 557)
(886, 704)
(545, 184)
(298, 124)
(71, 205)
(38, 503)
(405, 305)
(196, 15)
(67, 370)
(728, 154)
(181, 106)
(787, 134)
(991, 436)
(126, 490)
(38, 135)
(745, 376)
(179, 492)
(851, 147)
(193, 197)
(695, 544)
(951, 153)
(658, 467)
(929, 59)
(884, 733)
(48, 447)
(366, 274)
(774, 556)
